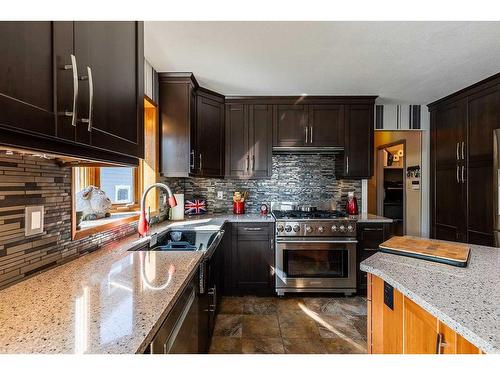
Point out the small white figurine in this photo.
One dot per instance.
(93, 202)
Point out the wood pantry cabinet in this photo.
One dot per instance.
(462, 183)
(397, 325)
(73, 88)
(248, 140)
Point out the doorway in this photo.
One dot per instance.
(391, 192)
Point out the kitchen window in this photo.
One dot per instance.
(122, 185)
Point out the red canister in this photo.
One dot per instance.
(239, 207)
(352, 204)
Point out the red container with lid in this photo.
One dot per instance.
(239, 208)
(352, 204)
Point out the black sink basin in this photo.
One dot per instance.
(184, 240)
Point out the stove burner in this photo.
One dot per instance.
(295, 214)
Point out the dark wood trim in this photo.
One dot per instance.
(180, 76)
(467, 91)
(211, 94)
(61, 147)
(334, 99)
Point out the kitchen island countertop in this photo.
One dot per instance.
(465, 299)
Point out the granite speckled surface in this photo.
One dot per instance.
(110, 301)
(465, 299)
(370, 218)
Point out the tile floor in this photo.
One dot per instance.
(295, 325)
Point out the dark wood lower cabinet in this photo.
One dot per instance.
(370, 236)
(249, 259)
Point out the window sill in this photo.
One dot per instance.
(90, 227)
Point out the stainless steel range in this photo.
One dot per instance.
(315, 252)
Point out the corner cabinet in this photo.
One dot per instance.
(208, 151)
(192, 128)
(73, 88)
(462, 175)
(397, 325)
(249, 140)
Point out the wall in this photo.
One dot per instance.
(308, 179)
(30, 180)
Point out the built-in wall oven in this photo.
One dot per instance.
(316, 256)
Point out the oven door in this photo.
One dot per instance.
(315, 264)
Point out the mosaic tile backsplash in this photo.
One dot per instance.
(307, 179)
(29, 180)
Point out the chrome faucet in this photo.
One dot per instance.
(143, 225)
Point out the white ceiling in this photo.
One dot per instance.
(402, 62)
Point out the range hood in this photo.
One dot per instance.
(307, 150)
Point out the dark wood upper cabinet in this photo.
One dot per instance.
(177, 101)
(358, 141)
(462, 173)
(45, 93)
(209, 153)
(290, 126)
(249, 140)
(110, 58)
(326, 125)
(26, 77)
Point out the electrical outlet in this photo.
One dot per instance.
(33, 220)
(220, 195)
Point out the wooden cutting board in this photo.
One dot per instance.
(436, 251)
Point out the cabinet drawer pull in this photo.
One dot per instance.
(463, 153)
(458, 152)
(370, 249)
(253, 229)
(74, 67)
(373, 229)
(458, 174)
(91, 100)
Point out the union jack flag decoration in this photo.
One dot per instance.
(195, 207)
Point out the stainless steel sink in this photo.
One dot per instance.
(188, 240)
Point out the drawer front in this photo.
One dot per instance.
(371, 237)
(254, 230)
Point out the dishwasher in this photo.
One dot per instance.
(178, 333)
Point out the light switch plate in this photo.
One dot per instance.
(220, 195)
(33, 220)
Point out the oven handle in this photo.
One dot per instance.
(315, 241)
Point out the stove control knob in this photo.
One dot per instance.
(281, 228)
(296, 228)
(334, 228)
(321, 229)
(342, 228)
(308, 229)
(288, 228)
(350, 228)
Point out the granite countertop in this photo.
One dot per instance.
(370, 218)
(110, 301)
(465, 299)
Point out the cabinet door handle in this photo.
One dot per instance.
(458, 151)
(311, 136)
(74, 67)
(347, 165)
(463, 170)
(191, 164)
(307, 131)
(272, 243)
(247, 163)
(458, 174)
(253, 162)
(439, 343)
(91, 99)
(201, 162)
(463, 153)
